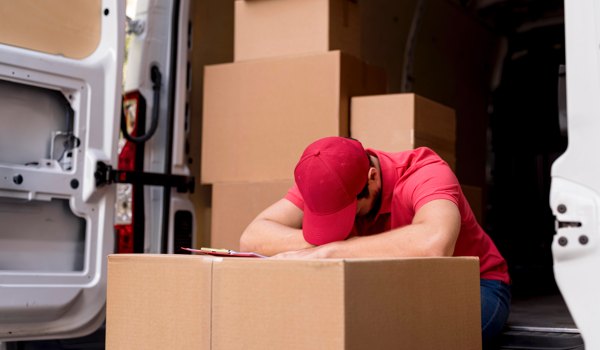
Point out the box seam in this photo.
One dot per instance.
(210, 327)
(344, 303)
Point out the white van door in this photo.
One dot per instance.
(60, 100)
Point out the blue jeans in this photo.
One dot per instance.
(495, 307)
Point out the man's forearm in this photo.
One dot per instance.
(268, 238)
(434, 232)
(409, 241)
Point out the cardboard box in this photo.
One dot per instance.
(260, 115)
(158, 302)
(418, 303)
(271, 28)
(399, 122)
(347, 304)
(236, 204)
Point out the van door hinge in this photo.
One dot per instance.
(106, 175)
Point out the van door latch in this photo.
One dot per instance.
(106, 175)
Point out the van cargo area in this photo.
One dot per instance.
(526, 133)
(494, 70)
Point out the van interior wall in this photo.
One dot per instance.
(526, 139)
(449, 57)
(496, 63)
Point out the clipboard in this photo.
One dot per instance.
(223, 252)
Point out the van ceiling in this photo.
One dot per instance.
(508, 16)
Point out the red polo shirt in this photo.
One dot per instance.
(411, 179)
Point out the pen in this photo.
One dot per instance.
(216, 250)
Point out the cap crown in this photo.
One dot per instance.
(331, 173)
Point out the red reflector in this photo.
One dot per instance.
(124, 235)
(127, 157)
(131, 104)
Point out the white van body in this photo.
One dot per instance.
(56, 232)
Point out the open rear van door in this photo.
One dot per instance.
(60, 100)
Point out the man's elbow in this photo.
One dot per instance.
(444, 251)
(434, 252)
(441, 246)
(444, 248)
(247, 244)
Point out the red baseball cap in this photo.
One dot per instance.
(331, 173)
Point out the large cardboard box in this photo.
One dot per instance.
(260, 115)
(269, 28)
(399, 122)
(163, 302)
(347, 304)
(236, 204)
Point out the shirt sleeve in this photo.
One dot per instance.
(431, 181)
(295, 197)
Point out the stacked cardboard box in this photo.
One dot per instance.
(294, 74)
(259, 115)
(235, 204)
(267, 28)
(399, 122)
(194, 302)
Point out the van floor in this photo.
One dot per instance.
(547, 311)
(540, 323)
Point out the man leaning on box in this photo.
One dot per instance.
(350, 202)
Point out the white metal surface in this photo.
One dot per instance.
(154, 47)
(37, 303)
(575, 191)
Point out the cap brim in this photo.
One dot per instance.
(323, 229)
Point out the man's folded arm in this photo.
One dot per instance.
(277, 229)
(433, 232)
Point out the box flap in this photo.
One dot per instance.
(170, 293)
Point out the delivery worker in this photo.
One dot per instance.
(350, 202)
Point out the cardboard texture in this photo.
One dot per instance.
(158, 302)
(347, 304)
(260, 115)
(61, 27)
(271, 28)
(236, 204)
(417, 303)
(398, 122)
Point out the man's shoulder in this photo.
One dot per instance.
(407, 158)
